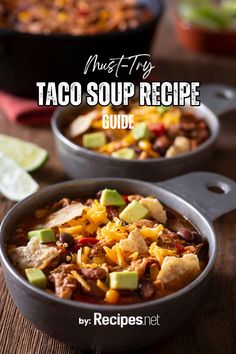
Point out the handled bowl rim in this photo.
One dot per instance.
(100, 307)
(156, 15)
(77, 149)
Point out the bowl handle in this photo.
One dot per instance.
(212, 194)
(219, 98)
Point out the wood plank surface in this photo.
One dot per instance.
(213, 329)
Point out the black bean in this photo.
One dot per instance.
(66, 258)
(185, 234)
(66, 238)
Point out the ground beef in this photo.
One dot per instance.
(93, 273)
(62, 280)
(141, 265)
(112, 212)
(144, 222)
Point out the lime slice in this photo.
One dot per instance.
(27, 155)
(15, 183)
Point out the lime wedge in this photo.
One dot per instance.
(27, 155)
(15, 183)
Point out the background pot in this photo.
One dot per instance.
(28, 58)
(80, 163)
(59, 318)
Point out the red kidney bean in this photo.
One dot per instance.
(146, 289)
(187, 125)
(162, 144)
(173, 131)
(185, 234)
(203, 134)
(202, 124)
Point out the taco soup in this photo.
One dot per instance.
(73, 17)
(108, 249)
(157, 132)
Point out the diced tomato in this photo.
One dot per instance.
(125, 197)
(157, 129)
(85, 241)
(82, 12)
(180, 248)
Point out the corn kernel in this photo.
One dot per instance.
(97, 124)
(24, 16)
(104, 15)
(86, 250)
(145, 145)
(112, 297)
(62, 16)
(154, 154)
(99, 260)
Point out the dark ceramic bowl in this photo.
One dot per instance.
(79, 162)
(27, 58)
(201, 39)
(60, 318)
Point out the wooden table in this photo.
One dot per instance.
(213, 328)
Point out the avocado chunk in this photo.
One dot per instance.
(123, 280)
(163, 109)
(125, 153)
(111, 197)
(133, 212)
(141, 131)
(36, 277)
(45, 235)
(94, 140)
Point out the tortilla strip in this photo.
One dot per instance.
(81, 124)
(176, 272)
(65, 215)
